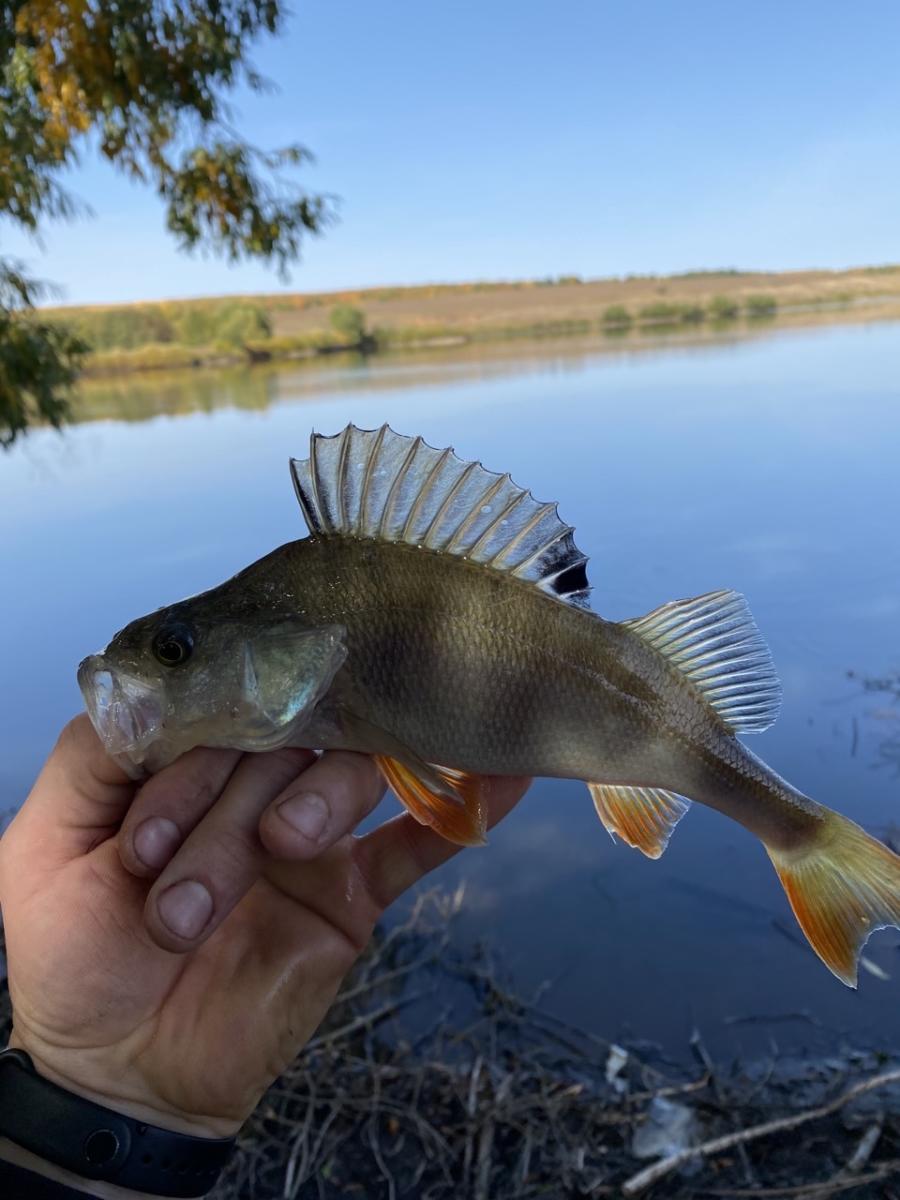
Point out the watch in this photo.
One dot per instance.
(97, 1143)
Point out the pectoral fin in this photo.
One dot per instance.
(643, 817)
(460, 817)
(449, 801)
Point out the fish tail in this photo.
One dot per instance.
(842, 887)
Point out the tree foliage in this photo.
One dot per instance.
(723, 308)
(349, 322)
(146, 82)
(39, 361)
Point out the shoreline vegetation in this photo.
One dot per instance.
(432, 1077)
(246, 330)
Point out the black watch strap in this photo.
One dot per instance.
(97, 1143)
(18, 1183)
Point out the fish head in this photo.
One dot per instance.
(181, 677)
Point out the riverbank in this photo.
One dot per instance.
(239, 330)
(135, 396)
(432, 1077)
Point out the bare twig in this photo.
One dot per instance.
(643, 1179)
(830, 1187)
(863, 1152)
(699, 1048)
(471, 1108)
(364, 1021)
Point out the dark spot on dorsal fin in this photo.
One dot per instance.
(573, 579)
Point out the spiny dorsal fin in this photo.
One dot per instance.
(379, 484)
(713, 640)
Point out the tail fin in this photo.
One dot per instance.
(842, 889)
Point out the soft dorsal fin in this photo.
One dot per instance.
(374, 483)
(713, 640)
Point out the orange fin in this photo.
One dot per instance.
(641, 816)
(841, 890)
(460, 817)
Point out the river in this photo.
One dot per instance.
(770, 464)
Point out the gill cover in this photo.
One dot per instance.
(286, 670)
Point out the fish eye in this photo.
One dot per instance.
(173, 646)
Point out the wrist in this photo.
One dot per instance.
(95, 1075)
(11, 1153)
(72, 1139)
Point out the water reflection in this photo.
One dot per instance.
(885, 719)
(142, 396)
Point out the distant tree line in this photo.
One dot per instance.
(719, 308)
(229, 324)
(233, 323)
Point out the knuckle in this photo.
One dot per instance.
(354, 775)
(366, 872)
(75, 733)
(291, 759)
(188, 788)
(235, 848)
(279, 771)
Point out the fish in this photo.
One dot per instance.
(437, 617)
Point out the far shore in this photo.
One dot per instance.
(246, 330)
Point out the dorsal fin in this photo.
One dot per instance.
(375, 483)
(713, 640)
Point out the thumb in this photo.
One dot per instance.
(79, 799)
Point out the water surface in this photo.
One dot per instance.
(765, 464)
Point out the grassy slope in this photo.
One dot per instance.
(478, 308)
(404, 315)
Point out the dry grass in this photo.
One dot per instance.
(473, 309)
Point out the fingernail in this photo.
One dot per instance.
(155, 841)
(306, 813)
(185, 908)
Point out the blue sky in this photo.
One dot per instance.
(502, 139)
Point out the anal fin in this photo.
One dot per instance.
(644, 817)
(461, 819)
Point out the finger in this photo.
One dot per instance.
(170, 805)
(399, 853)
(327, 802)
(223, 857)
(79, 797)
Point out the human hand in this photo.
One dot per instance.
(172, 946)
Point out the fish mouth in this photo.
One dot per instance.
(126, 712)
